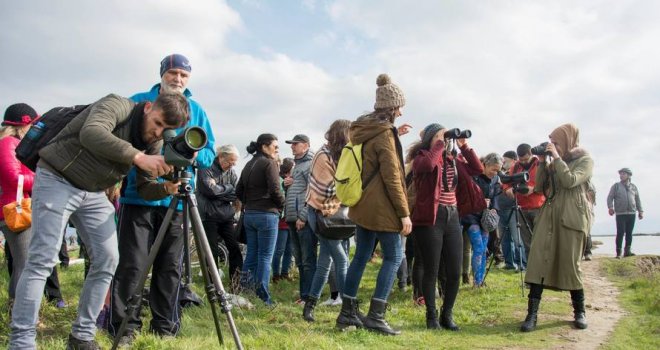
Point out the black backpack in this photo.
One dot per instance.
(43, 131)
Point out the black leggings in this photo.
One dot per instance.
(441, 246)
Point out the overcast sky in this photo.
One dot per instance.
(511, 71)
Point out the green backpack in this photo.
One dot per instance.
(348, 177)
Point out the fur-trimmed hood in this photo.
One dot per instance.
(575, 153)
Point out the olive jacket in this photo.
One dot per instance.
(383, 202)
(563, 223)
(96, 149)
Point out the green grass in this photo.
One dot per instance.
(489, 318)
(639, 280)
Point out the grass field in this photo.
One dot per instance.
(489, 318)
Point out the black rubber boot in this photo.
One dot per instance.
(432, 319)
(308, 309)
(627, 252)
(348, 316)
(375, 320)
(532, 311)
(618, 253)
(579, 313)
(447, 320)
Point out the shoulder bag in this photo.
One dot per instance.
(18, 214)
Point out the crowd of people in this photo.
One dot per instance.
(437, 211)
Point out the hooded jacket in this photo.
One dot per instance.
(383, 202)
(296, 208)
(563, 223)
(469, 197)
(96, 149)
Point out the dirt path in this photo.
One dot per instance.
(603, 309)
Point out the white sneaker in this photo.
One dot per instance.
(332, 302)
(327, 302)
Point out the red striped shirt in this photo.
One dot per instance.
(444, 197)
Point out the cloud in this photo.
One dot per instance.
(510, 71)
(513, 71)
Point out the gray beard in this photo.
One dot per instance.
(169, 89)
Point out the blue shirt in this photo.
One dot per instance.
(204, 157)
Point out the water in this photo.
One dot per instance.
(640, 245)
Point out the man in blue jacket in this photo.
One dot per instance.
(140, 218)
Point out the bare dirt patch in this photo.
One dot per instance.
(603, 309)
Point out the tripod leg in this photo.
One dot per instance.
(204, 250)
(186, 245)
(520, 246)
(208, 284)
(135, 299)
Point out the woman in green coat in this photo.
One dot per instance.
(561, 229)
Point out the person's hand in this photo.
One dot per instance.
(288, 181)
(611, 211)
(212, 182)
(300, 224)
(487, 202)
(404, 129)
(509, 193)
(407, 225)
(461, 142)
(552, 149)
(172, 187)
(153, 164)
(640, 215)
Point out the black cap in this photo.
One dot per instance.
(19, 114)
(298, 138)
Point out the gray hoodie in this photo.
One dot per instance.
(295, 207)
(624, 199)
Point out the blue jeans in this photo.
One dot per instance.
(54, 202)
(282, 256)
(330, 250)
(261, 236)
(511, 242)
(390, 244)
(303, 244)
(479, 241)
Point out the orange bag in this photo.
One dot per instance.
(18, 214)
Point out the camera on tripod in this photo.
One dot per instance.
(456, 133)
(515, 179)
(518, 181)
(180, 149)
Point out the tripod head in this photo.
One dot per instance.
(184, 175)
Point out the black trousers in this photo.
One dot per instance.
(441, 247)
(137, 230)
(64, 254)
(216, 230)
(624, 226)
(52, 287)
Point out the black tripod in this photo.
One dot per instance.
(516, 210)
(214, 288)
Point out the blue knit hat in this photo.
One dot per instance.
(430, 131)
(174, 61)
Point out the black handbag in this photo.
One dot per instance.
(239, 232)
(336, 226)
